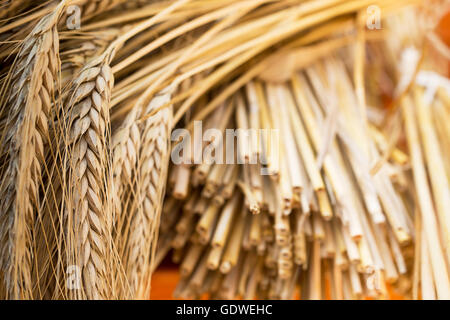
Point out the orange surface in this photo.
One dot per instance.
(164, 281)
(444, 28)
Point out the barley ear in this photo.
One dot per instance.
(33, 79)
(152, 173)
(89, 180)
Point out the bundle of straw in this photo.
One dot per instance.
(336, 205)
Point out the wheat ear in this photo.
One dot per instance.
(152, 174)
(33, 80)
(89, 178)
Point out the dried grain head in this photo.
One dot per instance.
(89, 181)
(152, 173)
(33, 80)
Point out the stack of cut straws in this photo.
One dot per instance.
(275, 149)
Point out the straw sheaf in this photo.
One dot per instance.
(89, 132)
(153, 166)
(356, 196)
(33, 79)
